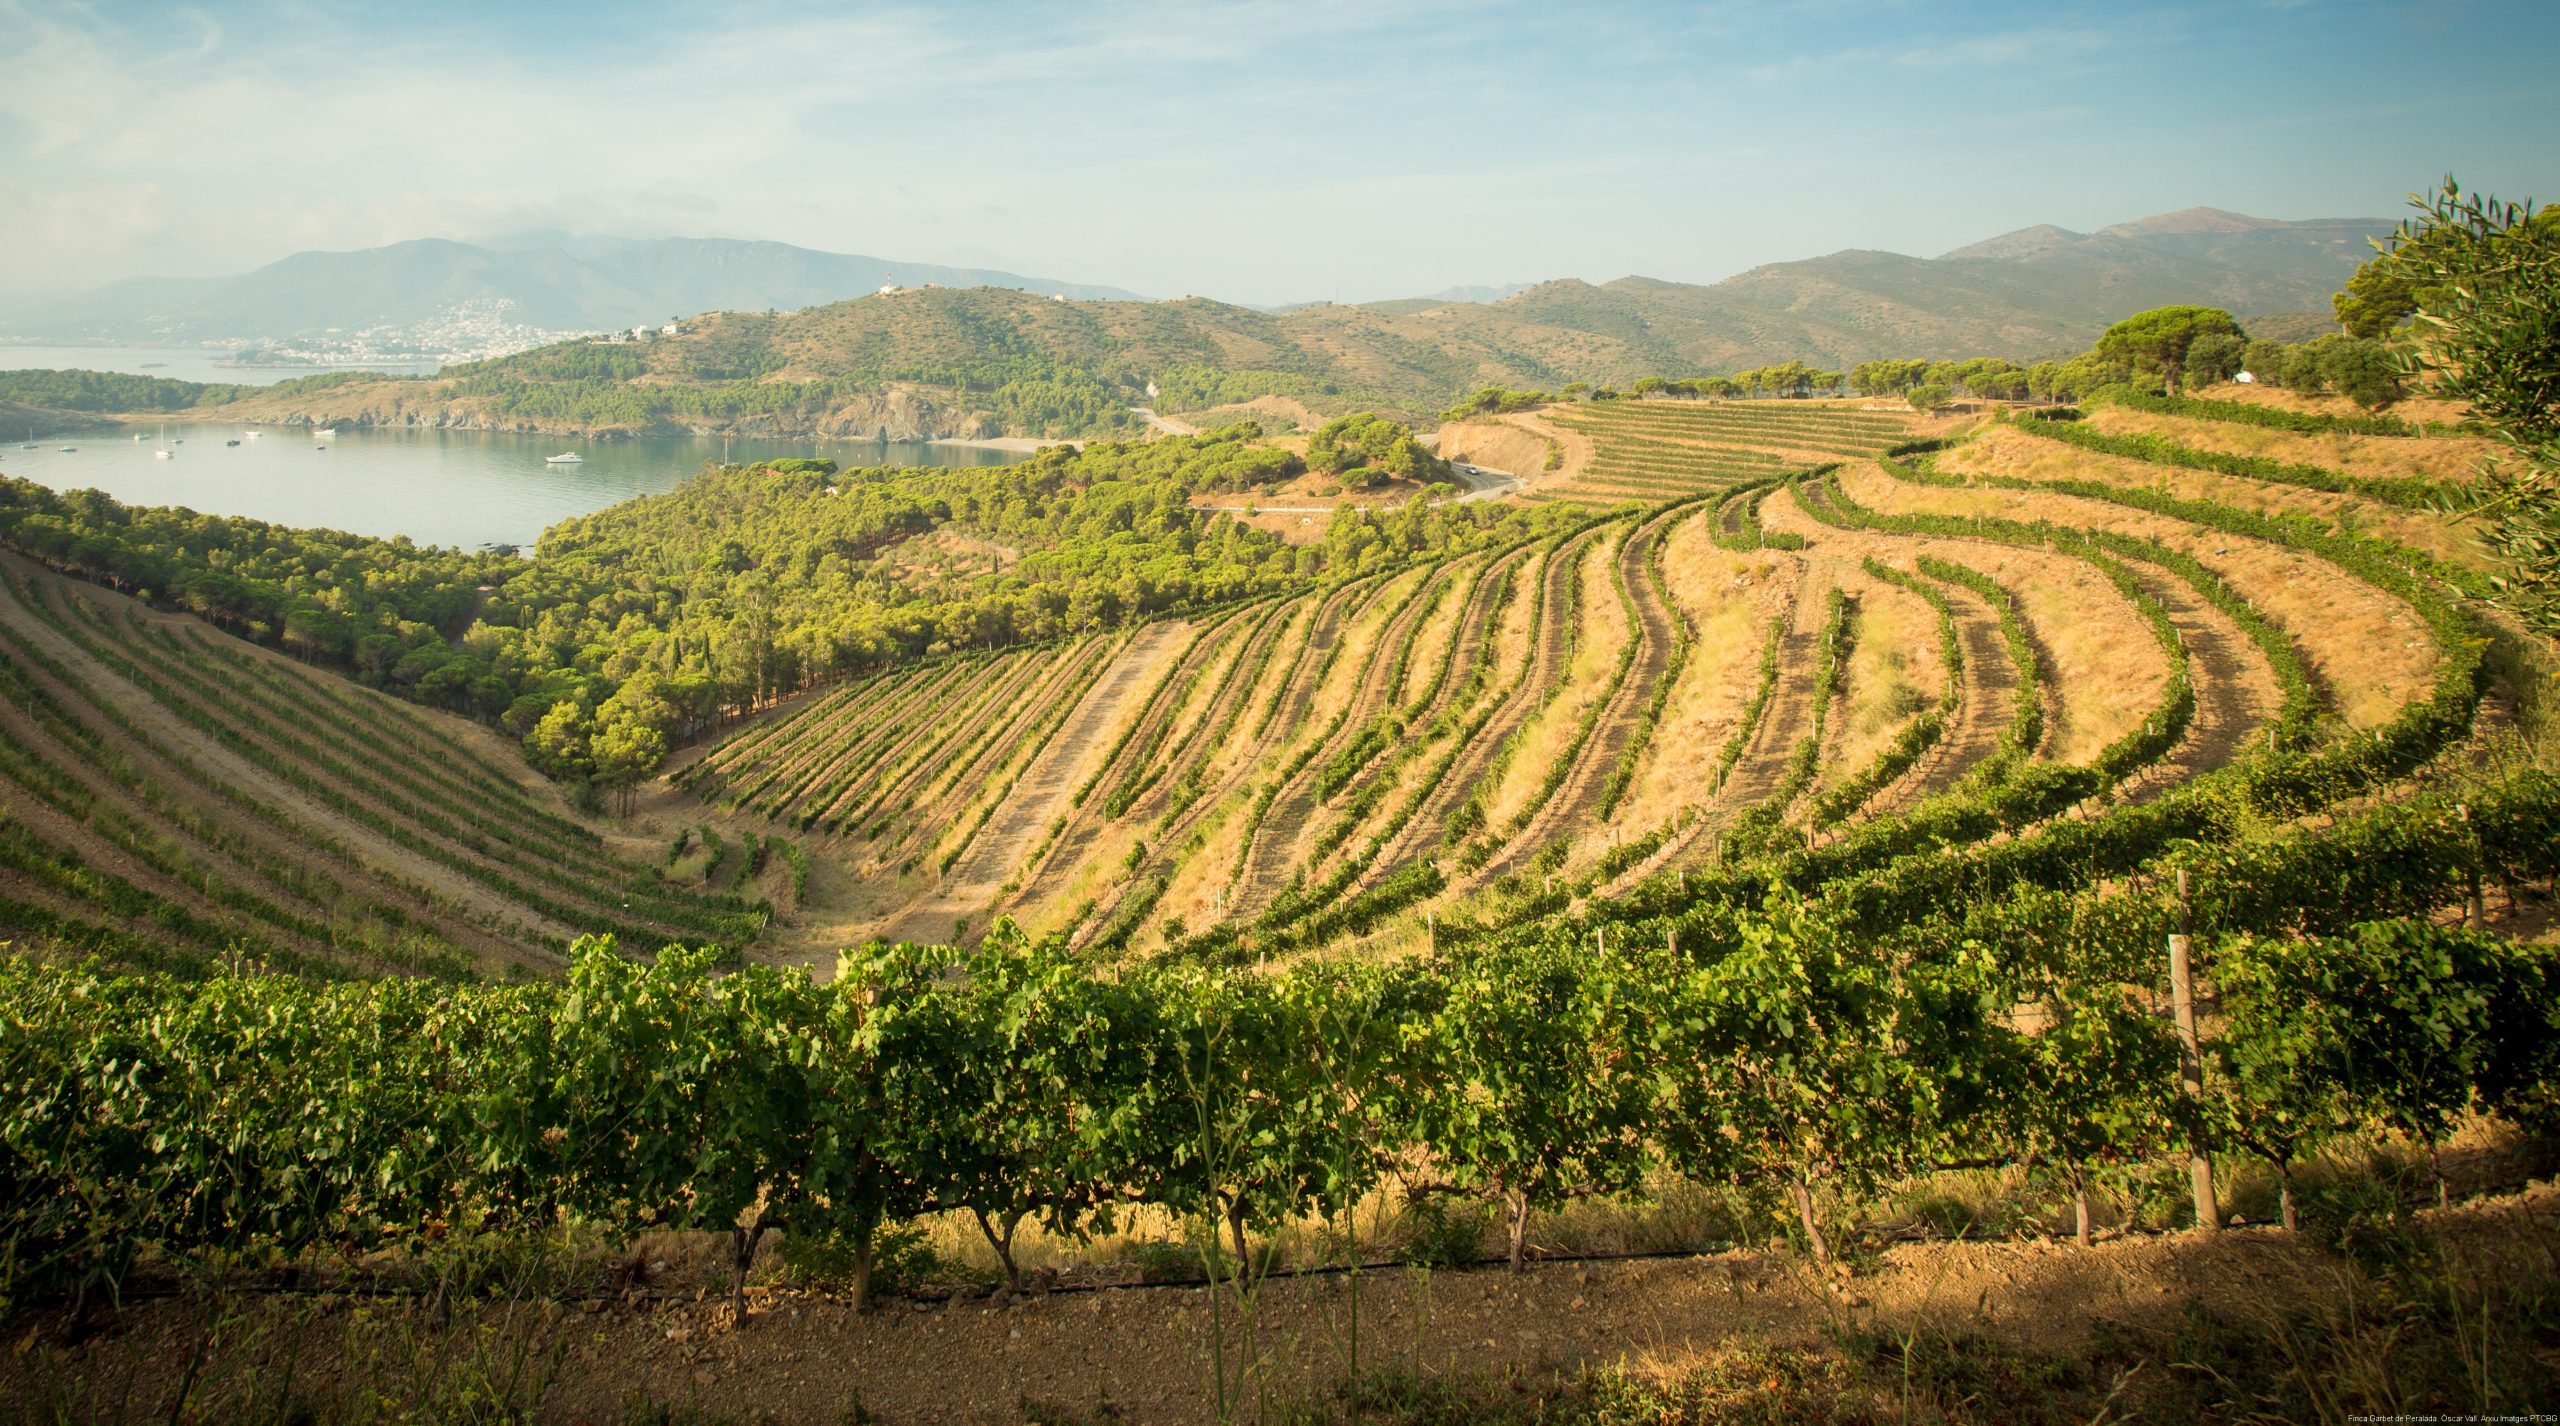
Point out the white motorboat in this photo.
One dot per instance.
(253, 435)
(565, 458)
(326, 433)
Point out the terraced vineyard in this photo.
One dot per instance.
(175, 797)
(1665, 450)
(1796, 651)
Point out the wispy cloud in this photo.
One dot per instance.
(2003, 50)
(1252, 148)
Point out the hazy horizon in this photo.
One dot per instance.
(1256, 152)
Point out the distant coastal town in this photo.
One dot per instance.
(475, 330)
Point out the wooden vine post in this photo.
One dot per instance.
(2182, 1002)
(2475, 908)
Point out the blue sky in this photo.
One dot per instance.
(1270, 151)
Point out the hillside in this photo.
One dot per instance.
(175, 797)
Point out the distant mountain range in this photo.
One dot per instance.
(2037, 291)
(547, 282)
(1005, 358)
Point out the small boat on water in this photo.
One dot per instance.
(66, 450)
(565, 458)
(231, 443)
(326, 433)
(253, 435)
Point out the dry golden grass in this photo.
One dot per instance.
(2383, 457)
(1729, 598)
(2416, 408)
(2370, 651)
(2010, 453)
(2107, 672)
(1201, 703)
(1896, 670)
(1195, 894)
(1438, 627)
(1085, 855)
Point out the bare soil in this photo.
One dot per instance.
(1143, 1355)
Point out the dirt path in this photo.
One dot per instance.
(1223, 708)
(953, 789)
(2235, 690)
(1092, 821)
(1142, 1355)
(1986, 697)
(1986, 702)
(1789, 716)
(1039, 796)
(1572, 450)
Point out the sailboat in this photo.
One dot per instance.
(163, 453)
